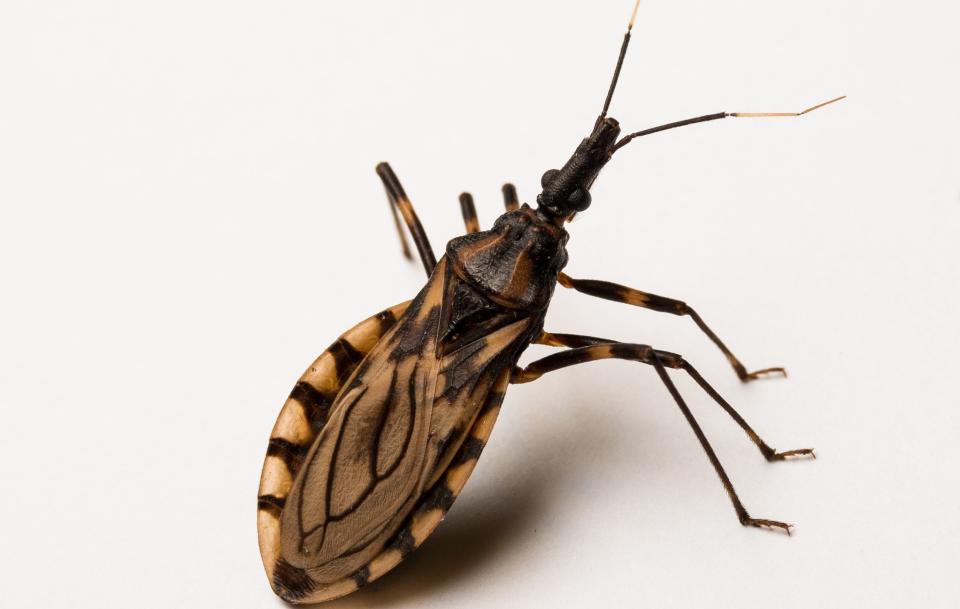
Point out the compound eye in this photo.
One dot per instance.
(578, 200)
(548, 176)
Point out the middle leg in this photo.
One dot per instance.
(660, 360)
(510, 201)
(770, 454)
(469, 211)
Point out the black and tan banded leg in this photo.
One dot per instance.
(594, 349)
(510, 201)
(770, 454)
(469, 212)
(398, 200)
(620, 293)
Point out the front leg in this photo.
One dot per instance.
(620, 293)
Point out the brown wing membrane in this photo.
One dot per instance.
(343, 498)
(304, 413)
(391, 457)
(362, 476)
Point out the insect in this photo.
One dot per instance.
(380, 434)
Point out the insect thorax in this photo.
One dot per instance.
(516, 262)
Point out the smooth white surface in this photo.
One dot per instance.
(190, 215)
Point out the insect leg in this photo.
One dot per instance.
(398, 200)
(659, 360)
(469, 213)
(620, 293)
(510, 200)
(577, 340)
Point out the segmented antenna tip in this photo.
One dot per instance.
(801, 113)
(633, 16)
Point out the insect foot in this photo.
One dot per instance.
(791, 454)
(761, 523)
(746, 377)
(772, 455)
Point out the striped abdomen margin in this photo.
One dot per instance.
(303, 415)
(295, 585)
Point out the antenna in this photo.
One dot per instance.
(766, 114)
(623, 53)
(712, 117)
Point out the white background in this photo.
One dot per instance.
(190, 215)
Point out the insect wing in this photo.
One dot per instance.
(366, 469)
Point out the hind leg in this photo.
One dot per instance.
(594, 349)
(398, 200)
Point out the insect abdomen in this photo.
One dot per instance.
(458, 397)
(302, 417)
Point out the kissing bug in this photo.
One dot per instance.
(380, 434)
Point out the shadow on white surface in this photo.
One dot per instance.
(478, 533)
(464, 542)
(495, 522)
